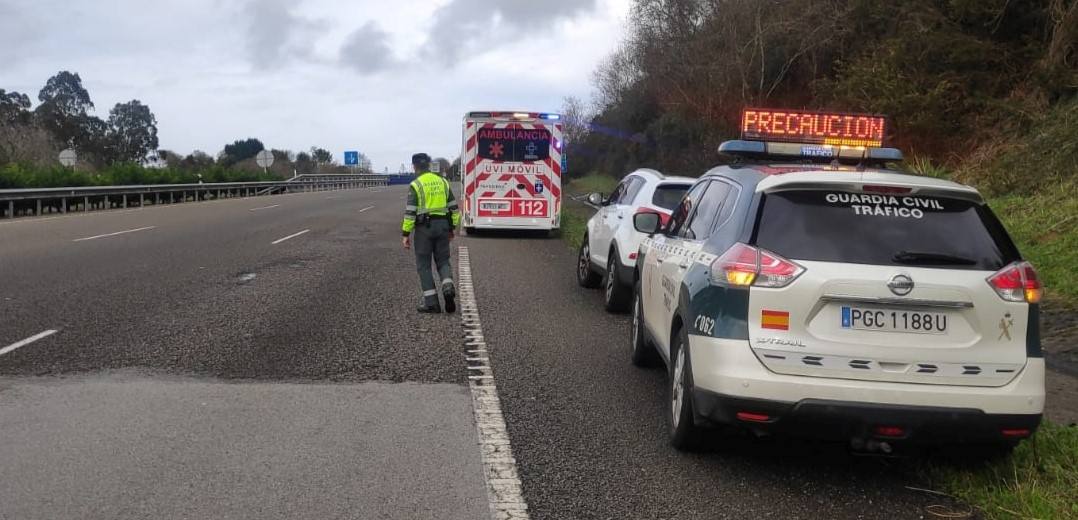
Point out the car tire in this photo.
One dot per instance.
(615, 295)
(470, 231)
(685, 435)
(643, 352)
(585, 273)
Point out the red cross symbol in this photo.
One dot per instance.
(497, 150)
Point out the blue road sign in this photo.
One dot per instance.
(351, 158)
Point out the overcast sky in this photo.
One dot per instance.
(386, 77)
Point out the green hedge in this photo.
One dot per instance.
(15, 176)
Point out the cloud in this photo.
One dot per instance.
(15, 33)
(461, 25)
(275, 34)
(367, 50)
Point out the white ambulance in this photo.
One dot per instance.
(511, 168)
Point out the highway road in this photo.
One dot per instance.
(261, 358)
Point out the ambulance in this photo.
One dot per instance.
(512, 164)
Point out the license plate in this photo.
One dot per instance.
(907, 321)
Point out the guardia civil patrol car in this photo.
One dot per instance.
(811, 288)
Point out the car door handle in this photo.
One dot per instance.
(685, 263)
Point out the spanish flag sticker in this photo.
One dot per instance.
(775, 320)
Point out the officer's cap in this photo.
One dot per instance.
(420, 159)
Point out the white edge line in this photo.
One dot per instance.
(114, 234)
(505, 493)
(265, 207)
(290, 237)
(27, 341)
(368, 208)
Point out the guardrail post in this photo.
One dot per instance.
(86, 204)
(124, 202)
(39, 207)
(157, 199)
(141, 200)
(63, 204)
(11, 209)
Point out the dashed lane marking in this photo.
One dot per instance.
(27, 341)
(368, 208)
(290, 237)
(504, 490)
(265, 207)
(114, 234)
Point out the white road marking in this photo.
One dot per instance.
(114, 234)
(368, 208)
(290, 237)
(265, 207)
(504, 491)
(26, 341)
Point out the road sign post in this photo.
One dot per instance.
(265, 160)
(69, 158)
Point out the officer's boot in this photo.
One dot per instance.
(449, 292)
(430, 303)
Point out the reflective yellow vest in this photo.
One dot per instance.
(429, 195)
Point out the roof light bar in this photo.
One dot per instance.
(809, 151)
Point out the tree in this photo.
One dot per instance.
(304, 163)
(132, 131)
(321, 155)
(242, 150)
(64, 106)
(197, 160)
(14, 107)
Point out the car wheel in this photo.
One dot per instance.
(643, 352)
(585, 275)
(685, 435)
(615, 295)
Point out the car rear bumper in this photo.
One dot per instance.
(728, 379)
(844, 420)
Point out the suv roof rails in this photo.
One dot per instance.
(654, 172)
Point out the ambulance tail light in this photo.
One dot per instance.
(744, 265)
(1017, 282)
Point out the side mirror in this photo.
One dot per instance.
(647, 223)
(595, 199)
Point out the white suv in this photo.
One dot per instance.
(842, 301)
(608, 252)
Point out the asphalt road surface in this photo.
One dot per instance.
(261, 358)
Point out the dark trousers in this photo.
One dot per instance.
(430, 241)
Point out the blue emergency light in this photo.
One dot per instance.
(816, 152)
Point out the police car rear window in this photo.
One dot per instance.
(861, 228)
(669, 195)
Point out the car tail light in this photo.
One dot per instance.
(890, 431)
(1015, 433)
(663, 217)
(887, 190)
(743, 265)
(1017, 283)
(753, 417)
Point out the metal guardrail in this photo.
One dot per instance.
(39, 201)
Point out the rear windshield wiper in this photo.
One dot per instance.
(923, 258)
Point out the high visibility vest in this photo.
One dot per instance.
(430, 195)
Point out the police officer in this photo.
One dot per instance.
(430, 216)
